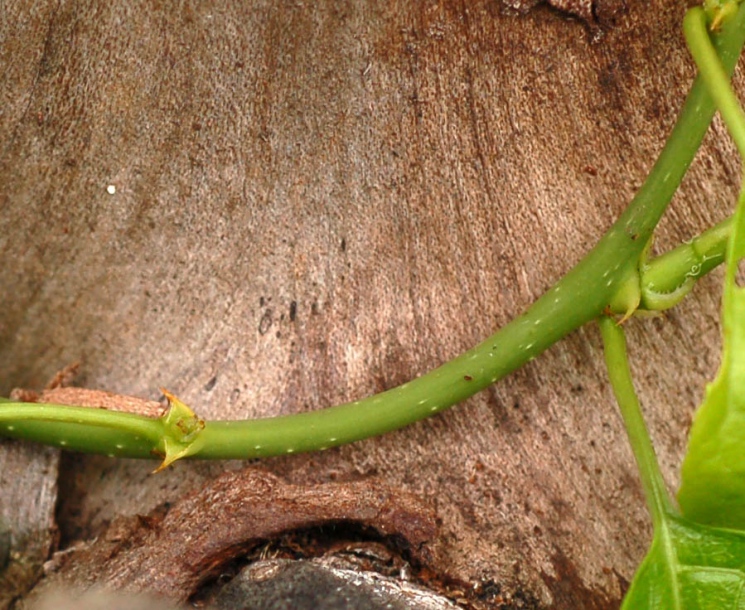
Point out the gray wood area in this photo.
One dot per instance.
(272, 207)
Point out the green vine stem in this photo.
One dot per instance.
(114, 433)
(100, 431)
(715, 75)
(668, 278)
(607, 278)
(617, 362)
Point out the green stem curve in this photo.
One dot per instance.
(579, 297)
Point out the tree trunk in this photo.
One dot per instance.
(272, 207)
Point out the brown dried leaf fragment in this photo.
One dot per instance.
(84, 397)
(58, 393)
(64, 377)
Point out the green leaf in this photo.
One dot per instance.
(713, 477)
(690, 566)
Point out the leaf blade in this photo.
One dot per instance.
(690, 566)
(712, 487)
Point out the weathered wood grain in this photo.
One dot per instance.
(317, 201)
(28, 497)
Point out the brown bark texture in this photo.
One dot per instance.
(271, 207)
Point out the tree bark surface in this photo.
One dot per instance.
(272, 207)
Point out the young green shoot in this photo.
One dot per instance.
(667, 279)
